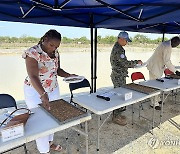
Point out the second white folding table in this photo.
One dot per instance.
(100, 106)
(166, 87)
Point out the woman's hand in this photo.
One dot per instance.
(45, 101)
(140, 62)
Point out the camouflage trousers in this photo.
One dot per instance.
(118, 81)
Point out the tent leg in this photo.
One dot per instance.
(163, 37)
(92, 60)
(95, 58)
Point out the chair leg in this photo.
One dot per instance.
(78, 149)
(142, 107)
(25, 149)
(81, 126)
(172, 95)
(175, 95)
(139, 110)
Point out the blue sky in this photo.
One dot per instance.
(15, 29)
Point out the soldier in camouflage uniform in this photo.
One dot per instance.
(120, 65)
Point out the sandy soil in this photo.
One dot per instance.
(129, 139)
(67, 49)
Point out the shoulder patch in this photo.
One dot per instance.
(122, 56)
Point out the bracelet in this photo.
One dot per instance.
(43, 94)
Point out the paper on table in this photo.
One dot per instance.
(141, 65)
(108, 94)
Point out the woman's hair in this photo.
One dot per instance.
(51, 34)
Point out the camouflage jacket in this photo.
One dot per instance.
(119, 62)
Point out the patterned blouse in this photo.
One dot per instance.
(47, 67)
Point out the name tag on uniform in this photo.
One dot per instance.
(128, 96)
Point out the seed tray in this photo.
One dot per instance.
(141, 88)
(174, 76)
(63, 111)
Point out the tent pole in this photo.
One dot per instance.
(95, 58)
(92, 61)
(163, 37)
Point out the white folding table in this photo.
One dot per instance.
(41, 124)
(166, 87)
(100, 106)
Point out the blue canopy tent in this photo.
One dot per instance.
(133, 15)
(152, 16)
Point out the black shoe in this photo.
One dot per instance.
(156, 107)
(160, 102)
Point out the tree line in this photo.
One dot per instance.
(139, 38)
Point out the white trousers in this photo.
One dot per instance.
(32, 100)
(154, 100)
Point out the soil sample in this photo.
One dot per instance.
(63, 111)
(174, 76)
(141, 88)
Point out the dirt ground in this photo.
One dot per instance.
(129, 139)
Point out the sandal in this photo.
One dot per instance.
(56, 147)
